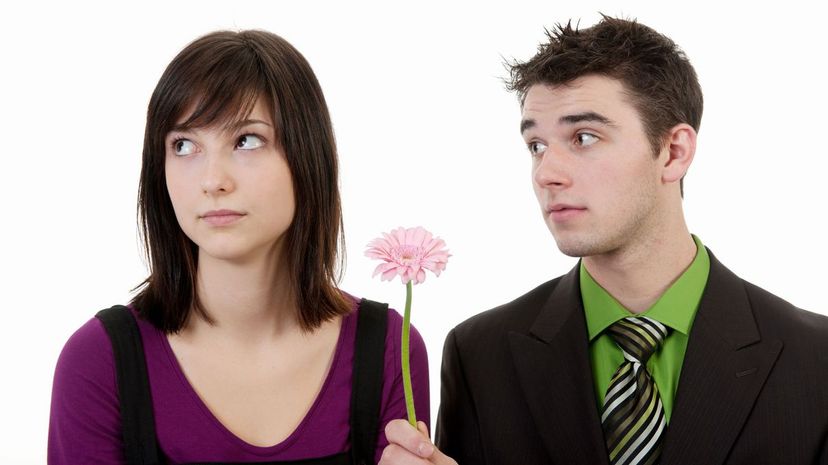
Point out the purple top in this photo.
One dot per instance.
(85, 428)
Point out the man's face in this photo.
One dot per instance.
(593, 169)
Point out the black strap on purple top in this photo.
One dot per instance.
(138, 422)
(366, 385)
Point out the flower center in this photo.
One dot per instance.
(408, 254)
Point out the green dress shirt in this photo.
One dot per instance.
(676, 308)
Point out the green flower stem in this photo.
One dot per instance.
(406, 369)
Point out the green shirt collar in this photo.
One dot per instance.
(676, 308)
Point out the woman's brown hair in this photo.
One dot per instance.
(218, 78)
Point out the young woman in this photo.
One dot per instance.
(238, 348)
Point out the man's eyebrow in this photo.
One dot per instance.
(526, 124)
(590, 116)
(586, 116)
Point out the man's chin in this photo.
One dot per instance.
(576, 247)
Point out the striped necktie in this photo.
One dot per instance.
(633, 417)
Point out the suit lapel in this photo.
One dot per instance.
(553, 367)
(724, 369)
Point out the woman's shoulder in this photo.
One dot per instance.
(394, 323)
(88, 348)
(393, 401)
(393, 340)
(394, 332)
(85, 408)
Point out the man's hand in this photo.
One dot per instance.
(407, 446)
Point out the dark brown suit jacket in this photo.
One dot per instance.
(517, 386)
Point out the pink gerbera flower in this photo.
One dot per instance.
(408, 252)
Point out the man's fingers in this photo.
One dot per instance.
(394, 454)
(409, 446)
(439, 458)
(401, 433)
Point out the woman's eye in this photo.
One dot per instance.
(183, 147)
(249, 142)
(585, 139)
(536, 148)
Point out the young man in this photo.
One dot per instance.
(649, 350)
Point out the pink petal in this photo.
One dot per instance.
(388, 266)
(399, 236)
(419, 236)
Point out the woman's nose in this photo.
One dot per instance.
(216, 177)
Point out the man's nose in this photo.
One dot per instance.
(552, 168)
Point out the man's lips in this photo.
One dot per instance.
(222, 217)
(562, 212)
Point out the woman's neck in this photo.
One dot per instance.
(249, 301)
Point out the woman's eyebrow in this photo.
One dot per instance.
(230, 127)
(246, 122)
(180, 128)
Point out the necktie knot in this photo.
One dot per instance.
(633, 417)
(638, 337)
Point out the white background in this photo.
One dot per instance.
(427, 136)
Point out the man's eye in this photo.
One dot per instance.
(249, 142)
(536, 148)
(183, 147)
(585, 139)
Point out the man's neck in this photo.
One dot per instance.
(638, 275)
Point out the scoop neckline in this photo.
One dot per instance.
(344, 327)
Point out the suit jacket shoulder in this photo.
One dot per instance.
(779, 318)
(517, 315)
(483, 417)
(516, 384)
(753, 383)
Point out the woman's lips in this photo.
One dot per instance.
(222, 217)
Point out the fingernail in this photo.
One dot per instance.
(425, 449)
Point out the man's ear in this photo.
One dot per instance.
(680, 146)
